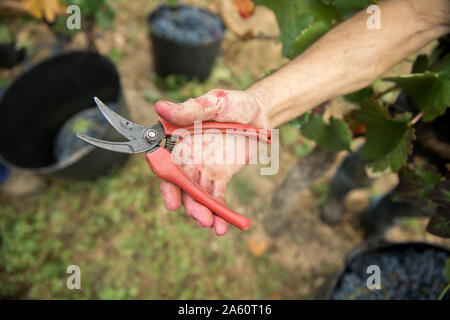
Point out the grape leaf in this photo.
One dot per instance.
(347, 8)
(335, 136)
(307, 37)
(302, 22)
(300, 121)
(293, 28)
(429, 90)
(360, 96)
(389, 139)
(415, 186)
(293, 17)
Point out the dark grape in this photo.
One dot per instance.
(187, 25)
(405, 275)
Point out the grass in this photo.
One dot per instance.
(126, 244)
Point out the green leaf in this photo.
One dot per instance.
(307, 37)
(429, 90)
(388, 141)
(360, 96)
(294, 17)
(105, 17)
(291, 30)
(335, 136)
(416, 184)
(300, 121)
(347, 8)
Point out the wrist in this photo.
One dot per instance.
(282, 96)
(262, 118)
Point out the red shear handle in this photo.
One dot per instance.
(243, 129)
(163, 167)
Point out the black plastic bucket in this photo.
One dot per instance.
(38, 103)
(10, 55)
(377, 248)
(169, 57)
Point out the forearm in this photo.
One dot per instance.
(350, 57)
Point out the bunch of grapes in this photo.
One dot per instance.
(405, 275)
(187, 26)
(90, 122)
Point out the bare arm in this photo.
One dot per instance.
(347, 58)
(350, 57)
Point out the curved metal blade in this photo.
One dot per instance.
(130, 130)
(124, 147)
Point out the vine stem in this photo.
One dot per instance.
(417, 118)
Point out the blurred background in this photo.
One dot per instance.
(105, 213)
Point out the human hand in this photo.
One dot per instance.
(221, 106)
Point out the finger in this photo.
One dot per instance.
(203, 108)
(206, 182)
(198, 211)
(219, 189)
(220, 226)
(171, 195)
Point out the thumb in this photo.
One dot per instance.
(206, 107)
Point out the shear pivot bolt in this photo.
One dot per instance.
(151, 135)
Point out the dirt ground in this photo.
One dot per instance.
(309, 252)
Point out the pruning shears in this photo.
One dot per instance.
(149, 139)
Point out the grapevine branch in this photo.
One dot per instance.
(300, 177)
